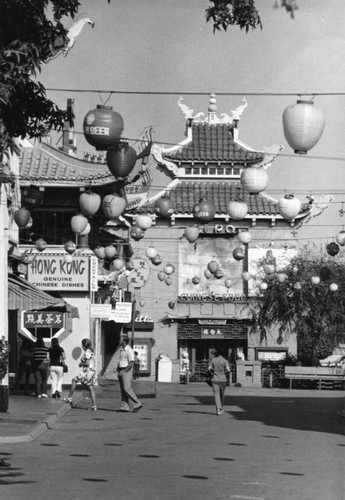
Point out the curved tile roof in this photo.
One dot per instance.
(214, 143)
(187, 193)
(46, 165)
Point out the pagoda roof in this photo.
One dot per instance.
(214, 143)
(45, 165)
(186, 194)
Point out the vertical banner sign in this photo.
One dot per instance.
(93, 274)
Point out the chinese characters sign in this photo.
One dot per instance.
(139, 274)
(212, 332)
(34, 319)
(51, 272)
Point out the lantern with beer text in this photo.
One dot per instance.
(102, 127)
(203, 211)
(164, 207)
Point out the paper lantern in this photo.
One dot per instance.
(315, 280)
(254, 179)
(227, 283)
(203, 211)
(297, 286)
(168, 281)
(237, 210)
(68, 258)
(143, 221)
(238, 253)
(151, 252)
(333, 287)
(40, 245)
(89, 203)
(130, 265)
(70, 247)
(79, 223)
(136, 233)
(303, 124)
(171, 304)
(99, 252)
(141, 303)
(121, 160)
(113, 206)
(340, 238)
(281, 277)
(246, 276)
(332, 248)
(218, 274)
(195, 280)
(212, 266)
(118, 264)
(156, 260)
(207, 274)
(244, 237)
(164, 207)
(102, 127)
(110, 251)
(263, 286)
(289, 206)
(192, 233)
(161, 276)
(22, 216)
(169, 269)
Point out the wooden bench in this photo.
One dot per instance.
(320, 373)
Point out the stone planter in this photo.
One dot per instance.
(4, 397)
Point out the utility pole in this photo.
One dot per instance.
(3, 267)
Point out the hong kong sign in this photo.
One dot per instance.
(51, 272)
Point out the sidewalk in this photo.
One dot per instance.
(29, 417)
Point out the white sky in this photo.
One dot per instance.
(165, 46)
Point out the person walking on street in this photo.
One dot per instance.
(125, 374)
(57, 357)
(87, 375)
(40, 365)
(24, 367)
(220, 369)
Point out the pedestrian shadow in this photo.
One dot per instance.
(315, 414)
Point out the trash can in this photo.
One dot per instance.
(164, 370)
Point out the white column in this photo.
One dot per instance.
(3, 267)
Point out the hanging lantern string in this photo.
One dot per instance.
(109, 96)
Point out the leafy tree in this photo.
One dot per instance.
(313, 311)
(227, 13)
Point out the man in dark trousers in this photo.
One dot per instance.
(125, 374)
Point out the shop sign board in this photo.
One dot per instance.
(212, 333)
(123, 312)
(40, 319)
(52, 273)
(93, 274)
(100, 310)
(143, 348)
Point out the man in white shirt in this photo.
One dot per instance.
(125, 373)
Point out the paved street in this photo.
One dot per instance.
(268, 444)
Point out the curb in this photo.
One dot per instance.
(42, 426)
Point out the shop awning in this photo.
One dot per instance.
(24, 296)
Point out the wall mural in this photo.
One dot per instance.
(193, 263)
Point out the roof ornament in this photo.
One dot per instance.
(71, 36)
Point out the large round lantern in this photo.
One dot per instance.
(340, 238)
(121, 160)
(151, 252)
(40, 245)
(136, 233)
(212, 266)
(22, 216)
(238, 253)
(99, 252)
(246, 276)
(244, 237)
(237, 209)
(332, 248)
(89, 203)
(192, 233)
(70, 247)
(102, 127)
(254, 179)
(171, 304)
(168, 280)
(218, 274)
(110, 251)
(227, 283)
(303, 124)
(203, 211)
(164, 207)
(207, 274)
(79, 223)
(143, 221)
(113, 206)
(289, 206)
